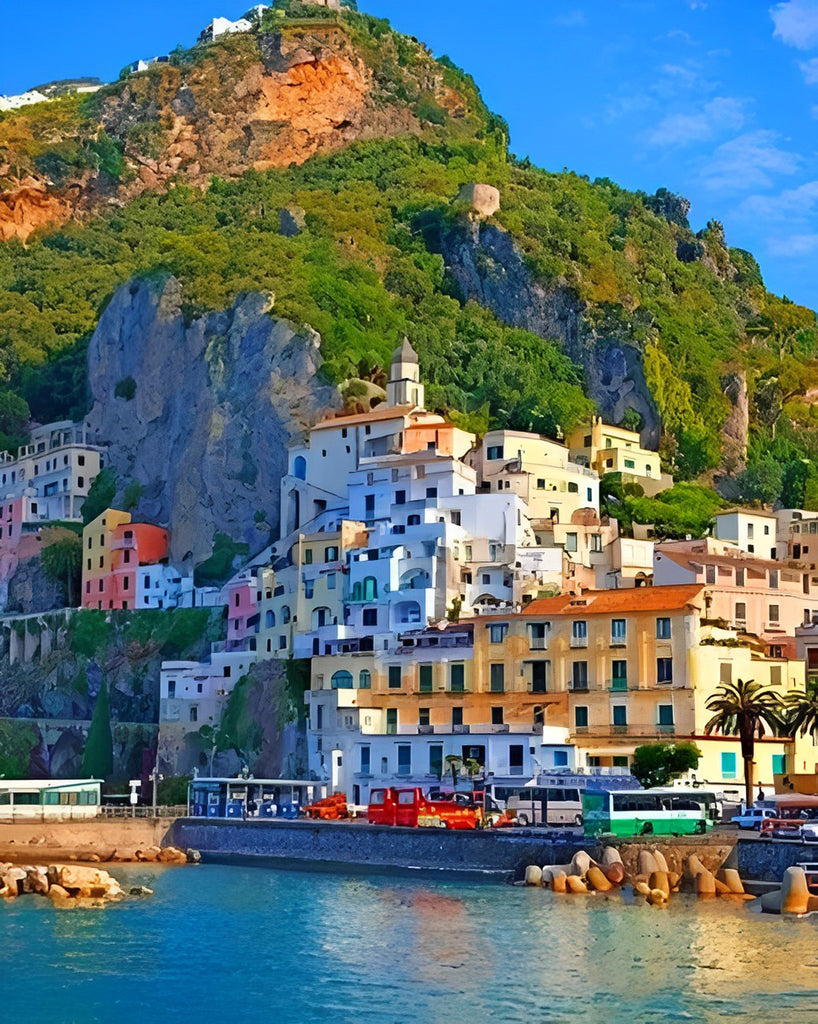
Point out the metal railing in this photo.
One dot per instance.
(140, 811)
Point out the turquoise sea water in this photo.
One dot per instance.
(252, 944)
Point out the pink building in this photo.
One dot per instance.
(242, 613)
(760, 596)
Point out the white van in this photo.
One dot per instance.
(544, 805)
(753, 817)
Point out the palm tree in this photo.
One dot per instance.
(746, 709)
(801, 711)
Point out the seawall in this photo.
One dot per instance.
(22, 842)
(317, 845)
(768, 860)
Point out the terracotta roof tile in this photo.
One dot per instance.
(607, 602)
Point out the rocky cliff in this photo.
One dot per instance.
(213, 406)
(252, 102)
(488, 267)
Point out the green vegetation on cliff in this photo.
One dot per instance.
(363, 274)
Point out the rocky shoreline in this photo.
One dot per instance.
(66, 885)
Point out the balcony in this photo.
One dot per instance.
(578, 686)
(579, 641)
(617, 685)
(665, 729)
(425, 730)
(461, 730)
(619, 730)
(499, 728)
(538, 644)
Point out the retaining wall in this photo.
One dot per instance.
(319, 845)
(767, 860)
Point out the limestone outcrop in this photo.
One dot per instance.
(489, 268)
(215, 404)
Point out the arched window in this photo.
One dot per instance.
(321, 617)
(269, 620)
(370, 589)
(407, 612)
(342, 681)
(285, 613)
(300, 467)
(414, 579)
(365, 679)
(357, 591)
(331, 554)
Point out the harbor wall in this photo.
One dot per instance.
(767, 860)
(317, 844)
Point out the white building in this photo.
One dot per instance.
(24, 99)
(751, 530)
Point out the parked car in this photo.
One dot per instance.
(753, 817)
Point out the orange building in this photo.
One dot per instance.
(116, 554)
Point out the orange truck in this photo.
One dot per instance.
(410, 808)
(331, 808)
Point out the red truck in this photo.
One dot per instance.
(409, 807)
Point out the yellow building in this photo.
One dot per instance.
(609, 449)
(97, 555)
(638, 666)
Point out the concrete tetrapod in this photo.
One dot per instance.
(615, 873)
(794, 892)
(705, 884)
(533, 875)
(732, 879)
(659, 880)
(559, 882)
(598, 880)
(580, 863)
(662, 864)
(646, 863)
(610, 855)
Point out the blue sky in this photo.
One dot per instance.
(715, 99)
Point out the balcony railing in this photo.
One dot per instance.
(538, 643)
(461, 730)
(665, 729)
(578, 685)
(579, 641)
(617, 685)
(619, 730)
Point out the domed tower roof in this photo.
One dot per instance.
(404, 353)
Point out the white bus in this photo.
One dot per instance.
(542, 805)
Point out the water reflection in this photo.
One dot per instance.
(258, 945)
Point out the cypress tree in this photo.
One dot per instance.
(98, 756)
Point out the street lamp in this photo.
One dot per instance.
(155, 777)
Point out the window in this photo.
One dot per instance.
(366, 760)
(596, 542)
(560, 758)
(436, 759)
(579, 675)
(579, 633)
(710, 575)
(581, 717)
(538, 636)
(571, 542)
(331, 581)
(619, 716)
(741, 611)
(486, 579)
(619, 675)
(618, 631)
(664, 670)
(400, 497)
(370, 589)
(467, 552)
(775, 673)
(395, 680)
(404, 759)
(425, 678)
(774, 614)
(665, 715)
(391, 721)
(309, 589)
(369, 505)
(370, 617)
(663, 629)
(497, 716)
(497, 633)
(307, 556)
(494, 451)
(342, 680)
(739, 577)
(540, 484)
(194, 714)
(779, 764)
(728, 765)
(331, 554)
(497, 677)
(431, 492)
(630, 464)
(171, 689)
(457, 716)
(365, 679)
(126, 583)
(457, 679)
(773, 579)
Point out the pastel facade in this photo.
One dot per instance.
(763, 597)
(752, 532)
(539, 471)
(607, 449)
(121, 561)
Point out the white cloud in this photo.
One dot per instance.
(722, 114)
(794, 246)
(749, 161)
(571, 19)
(791, 204)
(809, 69)
(796, 23)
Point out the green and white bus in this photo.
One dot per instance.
(642, 812)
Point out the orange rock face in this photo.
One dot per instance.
(32, 206)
